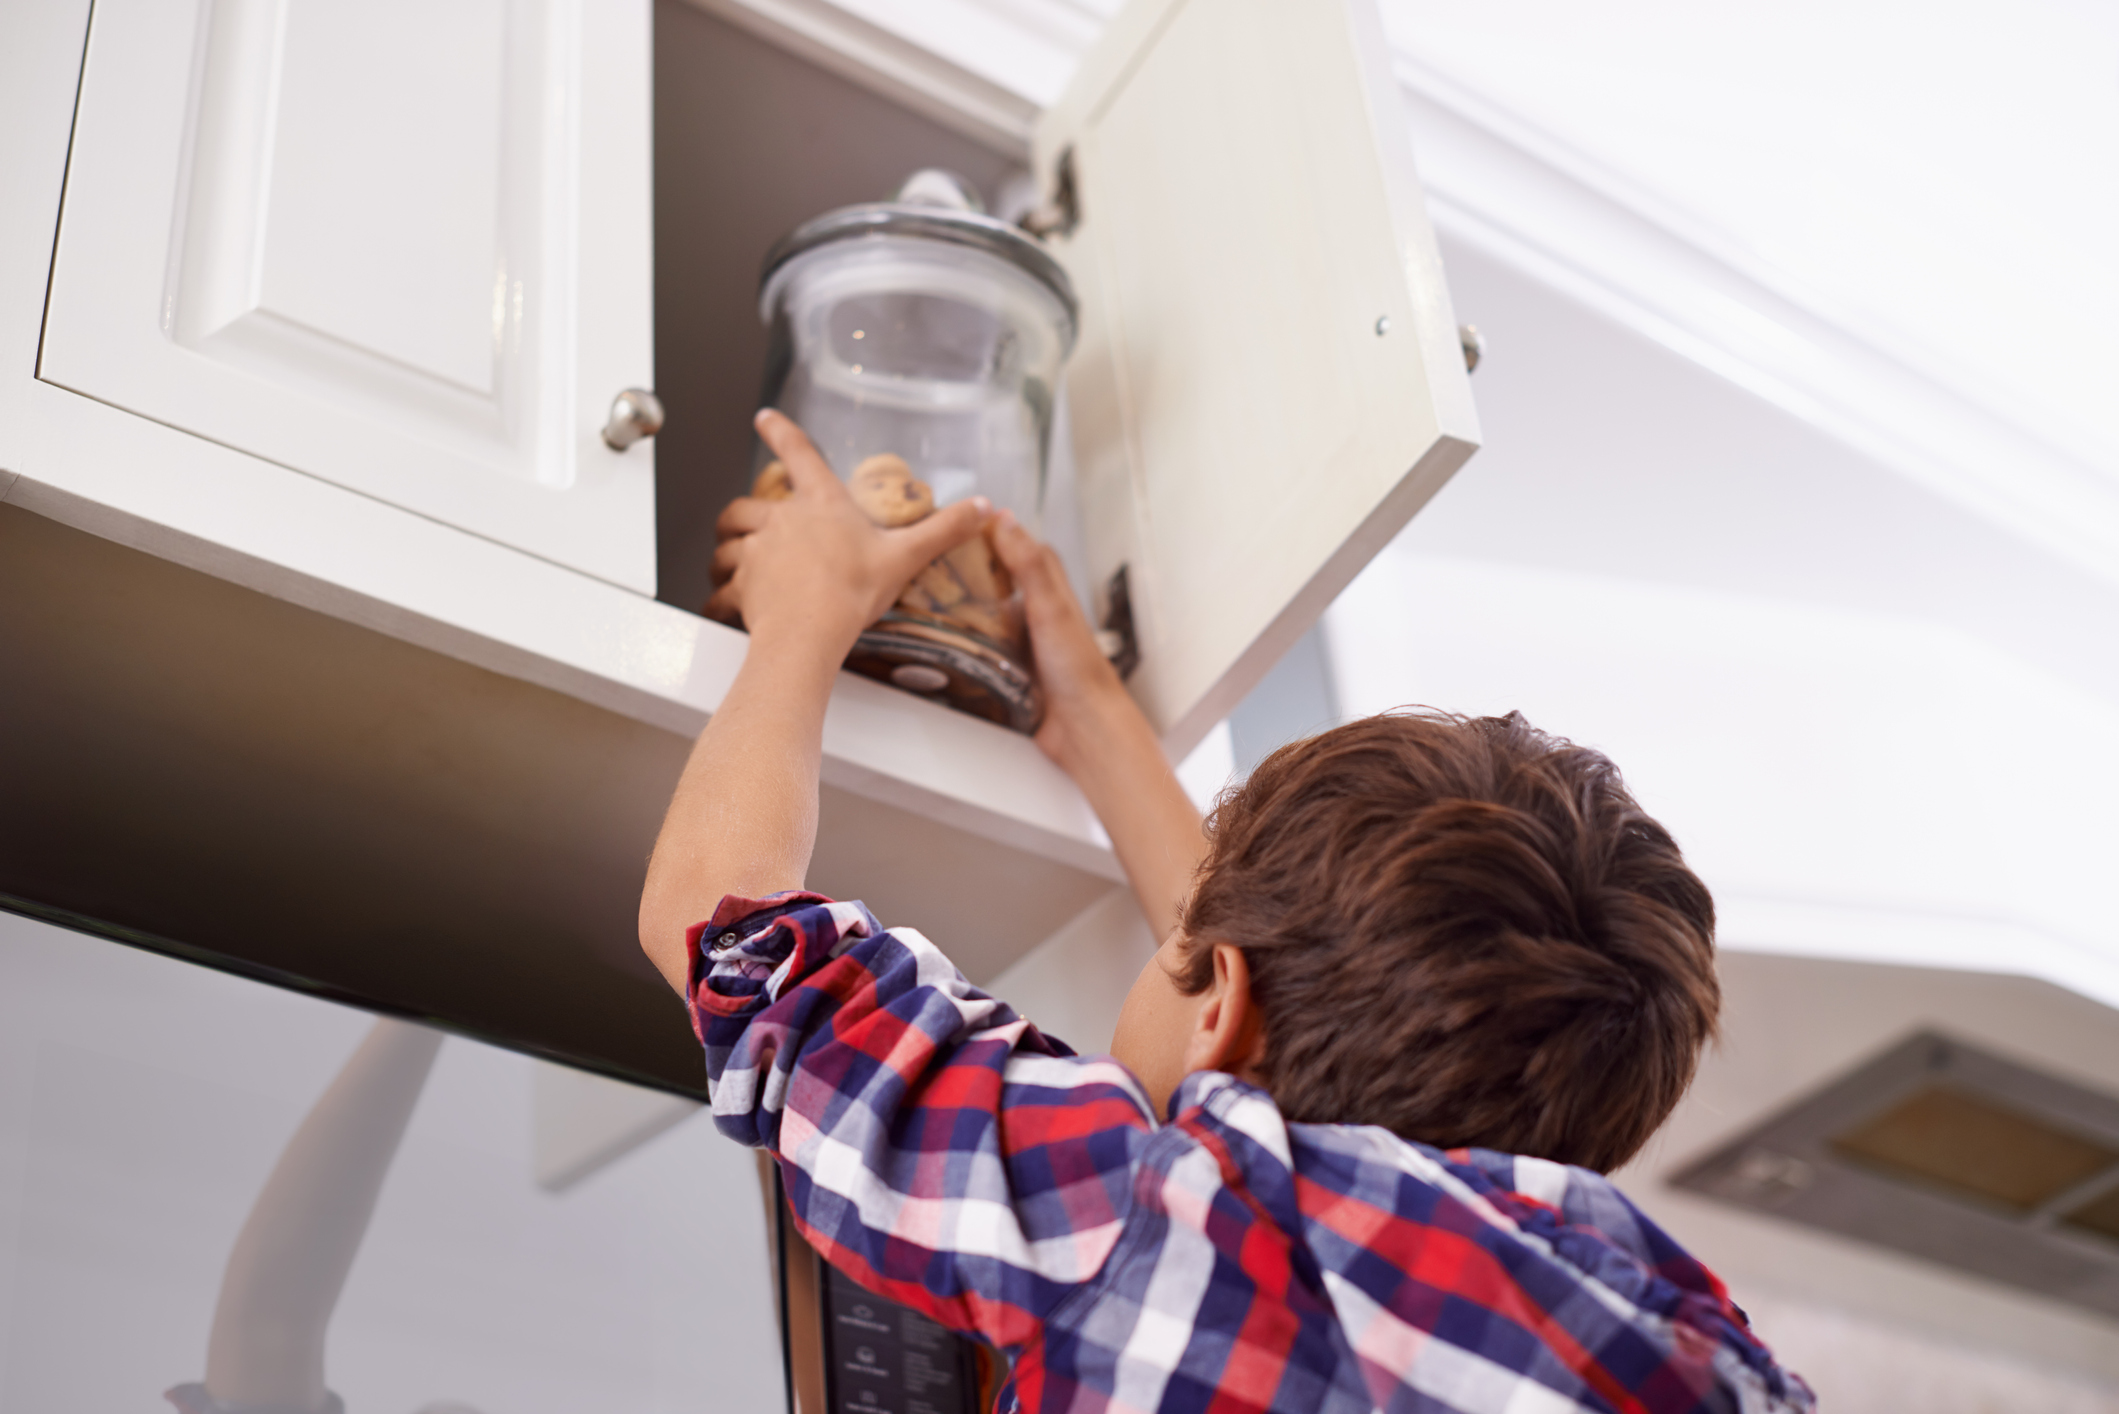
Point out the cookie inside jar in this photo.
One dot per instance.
(957, 631)
(918, 342)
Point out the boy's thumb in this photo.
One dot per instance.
(1020, 552)
(928, 540)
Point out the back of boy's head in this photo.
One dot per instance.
(1463, 930)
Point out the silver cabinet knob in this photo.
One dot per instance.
(635, 413)
(1474, 345)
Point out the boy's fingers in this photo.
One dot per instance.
(928, 540)
(723, 607)
(1030, 561)
(727, 555)
(1013, 544)
(806, 466)
(1035, 565)
(741, 516)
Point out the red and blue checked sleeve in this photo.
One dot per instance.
(937, 1147)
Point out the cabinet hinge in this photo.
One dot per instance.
(1062, 211)
(1117, 638)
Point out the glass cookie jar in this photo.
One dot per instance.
(919, 343)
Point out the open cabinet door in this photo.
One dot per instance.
(400, 247)
(1269, 381)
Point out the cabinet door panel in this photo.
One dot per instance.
(350, 238)
(342, 258)
(1268, 383)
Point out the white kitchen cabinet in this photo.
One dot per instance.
(356, 355)
(400, 247)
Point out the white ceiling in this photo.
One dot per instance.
(1942, 176)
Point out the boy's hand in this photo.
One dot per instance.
(814, 565)
(1078, 680)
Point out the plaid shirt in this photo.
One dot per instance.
(943, 1153)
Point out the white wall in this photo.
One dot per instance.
(1877, 721)
(1852, 784)
(142, 1103)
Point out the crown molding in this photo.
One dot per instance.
(1523, 195)
(900, 63)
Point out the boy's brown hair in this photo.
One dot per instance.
(1464, 930)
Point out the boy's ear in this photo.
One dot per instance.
(1228, 1033)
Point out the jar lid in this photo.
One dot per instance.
(925, 218)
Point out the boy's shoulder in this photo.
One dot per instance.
(1401, 1233)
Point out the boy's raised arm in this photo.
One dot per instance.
(807, 574)
(1096, 733)
(935, 1146)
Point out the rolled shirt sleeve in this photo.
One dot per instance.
(937, 1147)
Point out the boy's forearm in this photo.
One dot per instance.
(806, 573)
(1095, 732)
(1113, 754)
(744, 816)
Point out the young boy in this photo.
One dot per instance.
(1425, 980)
